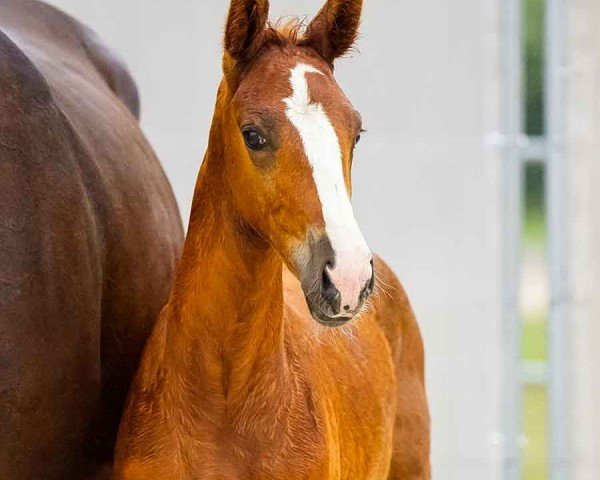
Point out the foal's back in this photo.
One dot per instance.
(89, 235)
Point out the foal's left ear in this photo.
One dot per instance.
(245, 28)
(335, 28)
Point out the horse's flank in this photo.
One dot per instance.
(89, 237)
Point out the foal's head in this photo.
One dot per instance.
(290, 134)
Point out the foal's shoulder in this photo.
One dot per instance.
(388, 285)
(391, 306)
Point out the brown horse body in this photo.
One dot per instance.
(89, 237)
(238, 381)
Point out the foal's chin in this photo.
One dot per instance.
(328, 321)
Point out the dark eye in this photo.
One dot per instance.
(254, 140)
(359, 136)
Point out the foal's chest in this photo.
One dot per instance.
(351, 402)
(337, 424)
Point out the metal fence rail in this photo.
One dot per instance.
(558, 254)
(551, 149)
(512, 115)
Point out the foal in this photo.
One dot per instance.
(238, 381)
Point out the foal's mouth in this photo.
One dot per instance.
(331, 322)
(322, 313)
(336, 285)
(324, 304)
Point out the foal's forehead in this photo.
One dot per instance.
(270, 81)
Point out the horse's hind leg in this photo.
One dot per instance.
(49, 372)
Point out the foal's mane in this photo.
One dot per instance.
(285, 31)
(291, 31)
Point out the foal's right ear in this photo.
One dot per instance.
(245, 28)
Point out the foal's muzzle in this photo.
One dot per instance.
(335, 293)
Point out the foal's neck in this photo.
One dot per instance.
(225, 315)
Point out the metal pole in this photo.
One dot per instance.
(558, 248)
(512, 175)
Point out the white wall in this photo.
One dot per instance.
(427, 187)
(583, 104)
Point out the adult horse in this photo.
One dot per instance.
(238, 381)
(89, 236)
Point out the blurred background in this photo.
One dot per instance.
(477, 181)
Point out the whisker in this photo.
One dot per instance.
(383, 282)
(380, 288)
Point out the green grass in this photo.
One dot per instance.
(534, 236)
(534, 338)
(534, 229)
(534, 348)
(534, 429)
(533, 14)
(534, 222)
(535, 403)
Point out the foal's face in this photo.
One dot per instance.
(293, 133)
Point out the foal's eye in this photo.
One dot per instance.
(254, 140)
(359, 136)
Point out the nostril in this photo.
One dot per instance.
(331, 295)
(335, 303)
(371, 285)
(368, 290)
(347, 307)
(325, 280)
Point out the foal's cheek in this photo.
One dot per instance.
(264, 160)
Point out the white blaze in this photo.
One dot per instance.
(352, 268)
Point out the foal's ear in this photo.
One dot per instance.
(335, 28)
(245, 28)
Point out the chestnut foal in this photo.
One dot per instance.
(238, 381)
